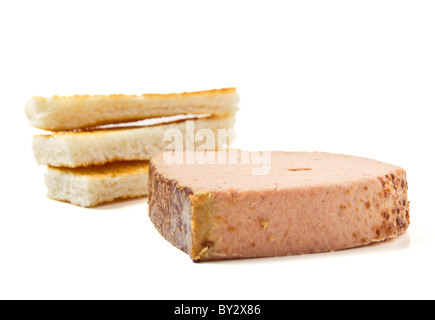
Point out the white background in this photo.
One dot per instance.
(354, 77)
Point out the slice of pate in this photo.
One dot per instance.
(306, 203)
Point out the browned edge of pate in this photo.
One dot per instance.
(183, 218)
(170, 209)
(396, 215)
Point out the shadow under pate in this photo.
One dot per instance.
(121, 204)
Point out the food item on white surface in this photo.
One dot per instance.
(308, 203)
(91, 186)
(84, 111)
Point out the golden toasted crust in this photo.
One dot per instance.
(82, 111)
(163, 95)
(114, 169)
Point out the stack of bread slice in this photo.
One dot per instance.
(98, 148)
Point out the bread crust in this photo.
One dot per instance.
(108, 170)
(82, 111)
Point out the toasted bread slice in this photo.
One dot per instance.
(83, 111)
(91, 186)
(86, 148)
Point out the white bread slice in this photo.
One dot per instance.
(84, 111)
(86, 148)
(88, 187)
